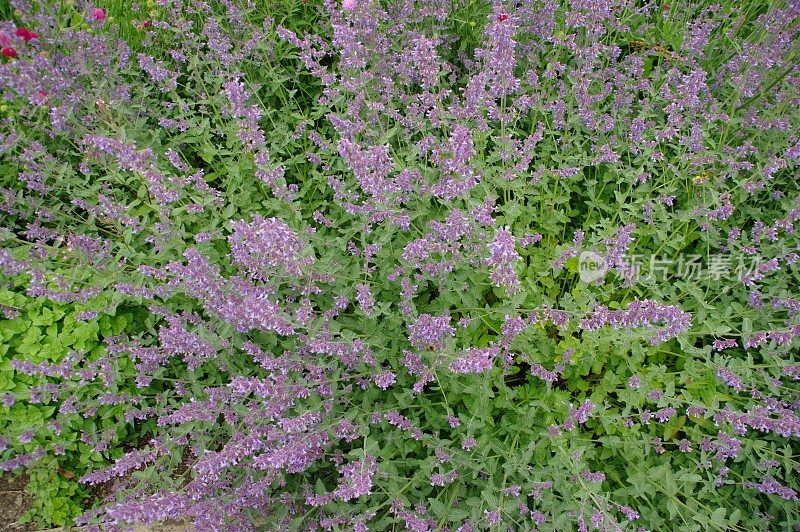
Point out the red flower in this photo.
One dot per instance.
(43, 94)
(9, 52)
(99, 14)
(26, 34)
(145, 23)
(502, 17)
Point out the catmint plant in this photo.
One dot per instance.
(428, 265)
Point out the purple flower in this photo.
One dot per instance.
(658, 446)
(722, 344)
(655, 394)
(476, 360)
(726, 446)
(665, 414)
(537, 370)
(266, 247)
(730, 378)
(347, 431)
(441, 456)
(493, 517)
(629, 513)
(571, 251)
(167, 79)
(582, 413)
(644, 313)
(430, 331)
(695, 411)
(149, 509)
(593, 476)
(771, 486)
(365, 299)
(357, 479)
(384, 379)
(498, 55)
(502, 256)
(130, 461)
(501, 250)
(538, 517)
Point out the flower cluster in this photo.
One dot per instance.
(324, 268)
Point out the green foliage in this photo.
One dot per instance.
(46, 331)
(56, 499)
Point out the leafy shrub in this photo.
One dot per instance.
(41, 341)
(417, 264)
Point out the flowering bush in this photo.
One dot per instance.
(424, 265)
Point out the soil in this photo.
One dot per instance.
(14, 502)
